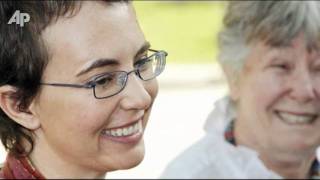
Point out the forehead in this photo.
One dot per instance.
(297, 48)
(98, 30)
(262, 54)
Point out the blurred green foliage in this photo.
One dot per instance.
(187, 30)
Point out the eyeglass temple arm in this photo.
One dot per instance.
(159, 51)
(89, 85)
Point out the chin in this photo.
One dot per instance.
(133, 164)
(130, 163)
(122, 163)
(297, 145)
(132, 158)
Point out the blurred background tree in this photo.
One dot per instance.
(186, 29)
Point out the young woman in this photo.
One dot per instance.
(77, 87)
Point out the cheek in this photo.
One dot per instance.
(263, 90)
(152, 88)
(74, 111)
(316, 84)
(258, 96)
(89, 118)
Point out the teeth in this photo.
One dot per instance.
(297, 119)
(125, 131)
(113, 133)
(140, 127)
(130, 130)
(119, 132)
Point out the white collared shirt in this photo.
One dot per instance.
(213, 157)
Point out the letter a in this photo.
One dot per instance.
(15, 18)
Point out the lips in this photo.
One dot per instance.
(297, 118)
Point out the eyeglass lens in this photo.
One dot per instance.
(112, 83)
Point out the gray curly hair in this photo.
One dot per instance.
(273, 22)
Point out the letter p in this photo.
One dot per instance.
(24, 18)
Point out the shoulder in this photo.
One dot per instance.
(213, 157)
(204, 153)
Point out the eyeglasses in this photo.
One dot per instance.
(111, 83)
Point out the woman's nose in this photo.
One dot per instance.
(302, 87)
(135, 94)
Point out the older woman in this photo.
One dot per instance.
(269, 125)
(77, 87)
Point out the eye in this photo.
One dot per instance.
(316, 67)
(281, 66)
(143, 64)
(104, 80)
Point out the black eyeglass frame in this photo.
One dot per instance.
(92, 83)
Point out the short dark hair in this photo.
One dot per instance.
(23, 58)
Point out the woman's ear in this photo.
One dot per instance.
(9, 104)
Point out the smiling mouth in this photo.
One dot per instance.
(125, 131)
(293, 119)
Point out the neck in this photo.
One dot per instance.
(290, 167)
(53, 166)
(286, 163)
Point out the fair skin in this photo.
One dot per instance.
(69, 124)
(278, 106)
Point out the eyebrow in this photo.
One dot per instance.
(111, 62)
(97, 64)
(143, 49)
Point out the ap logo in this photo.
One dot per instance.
(19, 18)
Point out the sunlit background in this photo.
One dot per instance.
(190, 84)
(186, 29)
